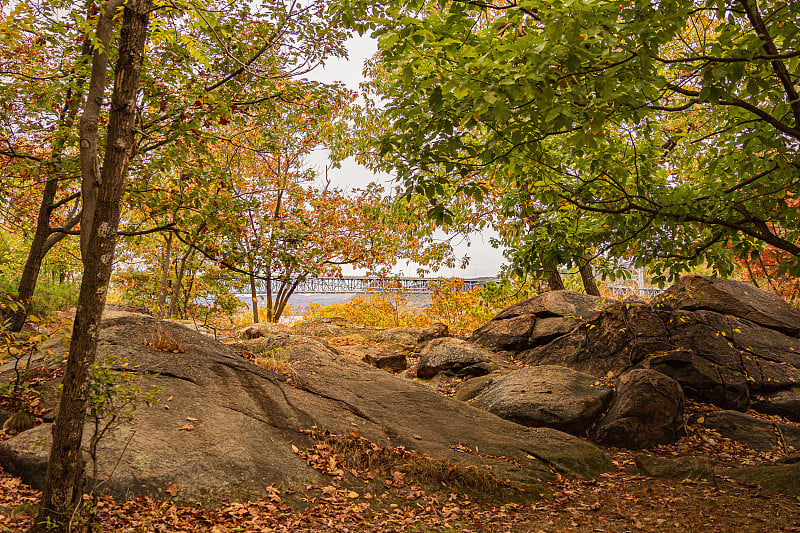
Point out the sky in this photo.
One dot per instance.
(484, 260)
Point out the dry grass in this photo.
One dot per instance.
(164, 341)
(274, 359)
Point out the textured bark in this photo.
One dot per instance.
(65, 471)
(90, 119)
(253, 295)
(162, 286)
(587, 275)
(554, 281)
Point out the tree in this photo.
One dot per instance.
(64, 479)
(204, 77)
(672, 128)
(274, 29)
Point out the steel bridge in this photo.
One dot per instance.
(355, 284)
(623, 291)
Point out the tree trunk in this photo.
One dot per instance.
(587, 275)
(554, 281)
(162, 285)
(176, 289)
(253, 295)
(63, 483)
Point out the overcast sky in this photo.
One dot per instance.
(484, 260)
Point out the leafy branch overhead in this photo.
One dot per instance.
(670, 130)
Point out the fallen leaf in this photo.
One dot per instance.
(192, 419)
(352, 494)
(172, 489)
(186, 427)
(417, 437)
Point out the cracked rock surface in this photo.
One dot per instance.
(222, 427)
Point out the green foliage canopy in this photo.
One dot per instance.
(665, 132)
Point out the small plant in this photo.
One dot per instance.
(274, 359)
(164, 341)
(113, 398)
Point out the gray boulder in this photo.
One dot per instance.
(452, 355)
(261, 329)
(757, 433)
(223, 427)
(785, 402)
(716, 357)
(647, 410)
(735, 298)
(537, 320)
(412, 336)
(546, 396)
(679, 468)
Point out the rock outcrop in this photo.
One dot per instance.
(546, 396)
(537, 320)
(694, 335)
(223, 427)
(453, 355)
(647, 410)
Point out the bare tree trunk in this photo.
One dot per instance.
(63, 483)
(587, 276)
(554, 281)
(162, 286)
(176, 289)
(253, 294)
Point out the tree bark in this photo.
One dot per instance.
(253, 294)
(587, 276)
(162, 285)
(176, 289)
(65, 471)
(554, 281)
(90, 120)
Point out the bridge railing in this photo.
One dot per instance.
(332, 285)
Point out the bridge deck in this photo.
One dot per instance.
(350, 284)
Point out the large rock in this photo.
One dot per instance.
(784, 402)
(224, 428)
(757, 433)
(716, 357)
(537, 320)
(412, 336)
(546, 396)
(261, 329)
(736, 298)
(647, 410)
(452, 355)
(782, 478)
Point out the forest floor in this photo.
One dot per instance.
(624, 500)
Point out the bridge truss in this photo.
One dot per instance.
(352, 284)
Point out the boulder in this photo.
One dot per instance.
(782, 478)
(470, 388)
(719, 358)
(701, 379)
(784, 402)
(412, 336)
(537, 320)
(546, 396)
(330, 327)
(735, 298)
(391, 360)
(647, 410)
(223, 427)
(675, 467)
(757, 433)
(452, 355)
(261, 329)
